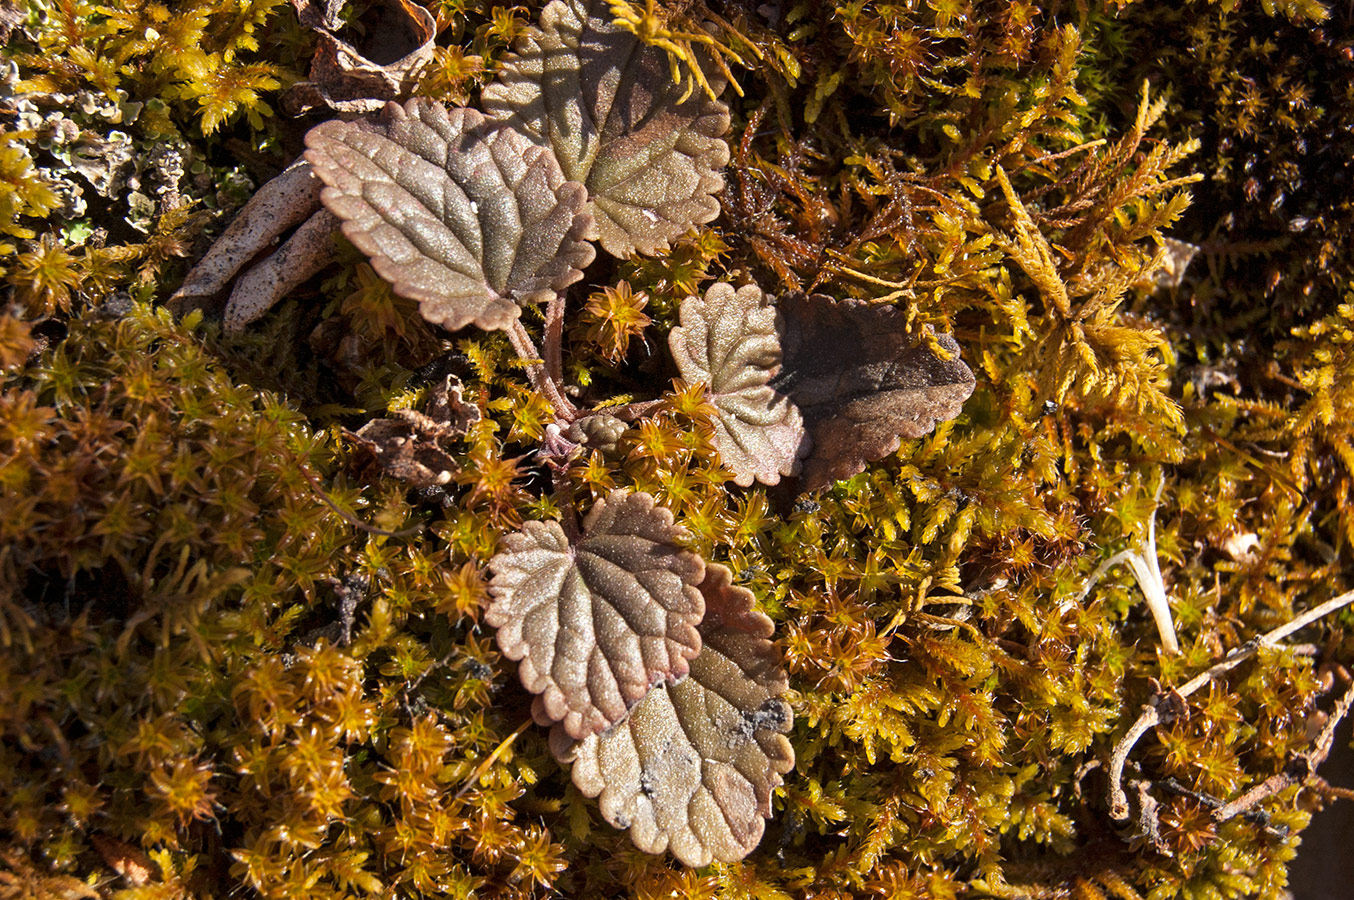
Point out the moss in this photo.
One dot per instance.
(206, 651)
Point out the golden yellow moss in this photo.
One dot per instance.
(199, 655)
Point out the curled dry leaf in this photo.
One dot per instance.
(1171, 264)
(289, 199)
(597, 622)
(693, 767)
(471, 221)
(607, 106)
(360, 79)
(862, 382)
(729, 341)
(414, 446)
(307, 251)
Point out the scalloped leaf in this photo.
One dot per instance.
(598, 622)
(862, 382)
(693, 767)
(472, 221)
(606, 103)
(729, 341)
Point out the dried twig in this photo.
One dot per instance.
(1299, 768)
(1255, 816)
(1159, 712)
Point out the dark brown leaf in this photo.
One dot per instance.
(862, 382)
(350, 78)
(598, 622)
(469, 220)
(607, 105)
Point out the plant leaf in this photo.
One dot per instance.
(470, 220)
(287, 200)
(596, 623)
(259, 288)
(862, 382)
(607, 105)
(729, 341)
(693, 768)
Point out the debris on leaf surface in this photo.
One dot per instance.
(692, 769)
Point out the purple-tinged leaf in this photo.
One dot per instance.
(692, 769)
(471, 221)
(598, 622)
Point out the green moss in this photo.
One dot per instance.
(201, 657)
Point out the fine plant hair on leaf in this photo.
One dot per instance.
(693, 767)
(862, 382)
(472, 221)
(729, 341)
(598, 621)
(608, 107)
